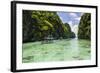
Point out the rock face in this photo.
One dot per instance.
(84, 29)
(68, 33)
(27, 26)
(38, 25)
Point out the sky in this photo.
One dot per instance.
(72, 18)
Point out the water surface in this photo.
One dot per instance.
(57, 50)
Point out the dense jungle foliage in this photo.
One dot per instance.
(38, 25)
(84, 29)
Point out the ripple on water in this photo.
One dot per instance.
(59, 50)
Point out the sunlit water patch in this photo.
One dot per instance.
(58, 50)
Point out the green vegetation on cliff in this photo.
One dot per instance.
(84, 29)
(68, 33)
(38, 25)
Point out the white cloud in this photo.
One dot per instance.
(75, 29)
(78, 18)
(70, 22)
(82, 14)
(73, 14)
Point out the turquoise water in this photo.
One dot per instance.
(57, 50)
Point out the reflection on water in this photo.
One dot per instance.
(58, 50)
(75, 47)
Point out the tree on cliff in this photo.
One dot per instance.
(38, 25)
(84, 29)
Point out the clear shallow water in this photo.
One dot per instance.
(58, 50)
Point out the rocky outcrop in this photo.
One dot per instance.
(38, 25)
(84, 29)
